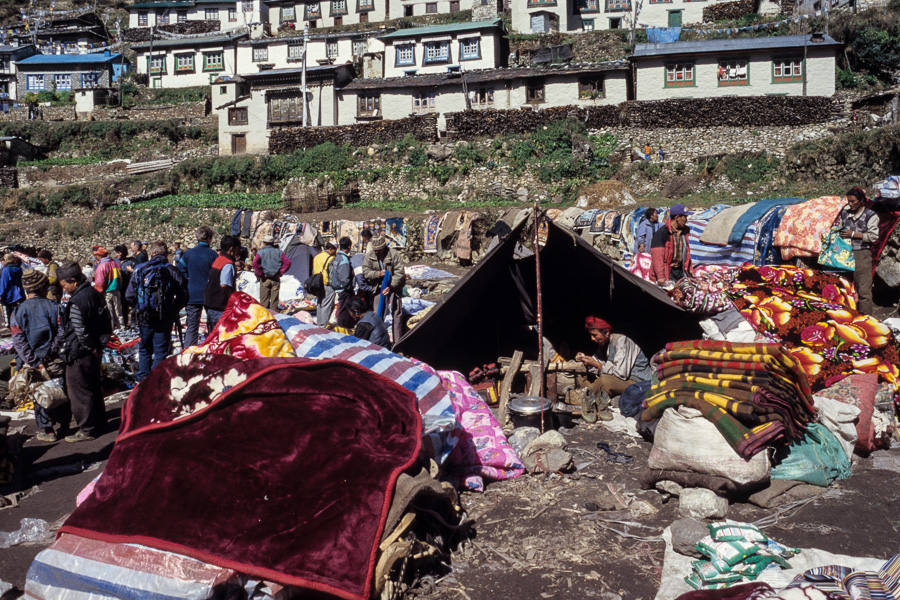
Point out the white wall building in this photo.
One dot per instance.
(415, 8)
(538, 88)
(294, 15)
(249, 107)
(442, 48)
(287, 52)
(230, 14)
(188, 62)
(796, 65)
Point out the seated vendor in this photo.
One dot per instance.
(617, 364)
(367, 325)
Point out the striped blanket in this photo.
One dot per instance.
(728, 256)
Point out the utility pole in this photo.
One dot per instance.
(303, 75)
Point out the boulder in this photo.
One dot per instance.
(521, 437)
(549, 461)
(438, 152)
(701, 503)
(685, 535)
(551, 440)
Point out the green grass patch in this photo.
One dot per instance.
(254, 201)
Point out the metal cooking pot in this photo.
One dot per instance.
(528, 411)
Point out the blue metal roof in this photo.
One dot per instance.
(69, 59)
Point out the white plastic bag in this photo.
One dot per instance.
(51, 394)
(840, 419)
(686, 441)
(30, 530)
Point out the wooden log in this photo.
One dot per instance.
(506, 385)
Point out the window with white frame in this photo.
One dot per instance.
(331, 48)
(368, 105)
(214, 61)
(184, 63)
(182, 16)
(312, 11)
(365, 5)
(733, 72)
(232, 15)
(787, 70)
(423, 102)
(248, 6)
(162, 17)
(35, 82)
(62, 81)
(481, 98)
(157, 64)
(680, 74)
(588, 24)
(437, 52)
(338, 7)
(618, 5)
(260, 54)
(295, 50)
(142, 19)
(470, 48)
(406, 55)
(359, 47)
(211, 14)
(286, 108)
(90, 80)
(287, 13)
(590, 88)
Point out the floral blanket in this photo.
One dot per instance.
(813, 314)
(801, 228)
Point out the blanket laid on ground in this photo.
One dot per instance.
(718, 232)
(801, 228)
(756, 212)
(284, 468)
(812, 314)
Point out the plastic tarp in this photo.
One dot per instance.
(663, 35)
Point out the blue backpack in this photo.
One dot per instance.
(157, 292)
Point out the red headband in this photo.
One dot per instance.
(596, 323)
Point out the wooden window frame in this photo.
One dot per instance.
(412, 60)
(444, 58)
(462, 53)
(263, 50)
(206, 66)
(591, 87)
(675, 83)
(189, 69)
(368, 105)
(779, 79)
(238, 115)
(535, 91)
(722, 68)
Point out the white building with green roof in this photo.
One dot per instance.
(443, 48)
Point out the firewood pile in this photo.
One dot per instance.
(727, 10)
(142, 34)
(287, 139)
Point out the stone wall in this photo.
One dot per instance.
(747, 111)
(188, 111)
(142, 34)
(8, 178)
(71, 174)
(287, 139)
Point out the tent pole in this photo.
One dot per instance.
(539, 308)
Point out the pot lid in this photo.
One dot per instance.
(529, 405)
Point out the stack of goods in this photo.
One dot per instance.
(737, 553)
(801, 228)
(705, 292)
(755, 394)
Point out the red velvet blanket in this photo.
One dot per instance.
(277, 467)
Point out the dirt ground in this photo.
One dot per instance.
(533, 538)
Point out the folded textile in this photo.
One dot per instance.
(801, 228)
(767, 253)
(726, 256)
(846, 583)
(719, 229)
(755, 213)
(641, 265)
(432, 230)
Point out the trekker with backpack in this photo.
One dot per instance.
(85, 326)
(270, 264)
(158, 291)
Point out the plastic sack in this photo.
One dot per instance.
(30, 530)
(686, 441)
(817, 459)
(840, 419)
(51, 394)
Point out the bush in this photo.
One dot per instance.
(468, 153)
(750, 169)
(558, 135)
(417, 157)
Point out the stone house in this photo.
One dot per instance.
(294, 15)
(444, 48)
(71, 32)
(188, 62)
(287, 52)
(65, 72)
(250, 106)
(574, 16)
(794, 65)
(586, 84)
(9, 57)
(414, 8)
(228, 14)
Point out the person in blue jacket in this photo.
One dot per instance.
(195, 265)
(11, 291)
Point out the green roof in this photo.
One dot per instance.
(440, 29)
(220, 39)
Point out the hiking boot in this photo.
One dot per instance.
(80, 436)
(47, 437)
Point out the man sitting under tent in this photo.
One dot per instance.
(367, 325)
(618, 363)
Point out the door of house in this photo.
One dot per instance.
(674, 18)
(454, 5)
(238, 143)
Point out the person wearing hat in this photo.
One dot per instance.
(366, 324)
(269, 264)
(54, 291)
(670, 253)
(11, 291)
(618, 362)
(85, 328)
(379, 262)
(108, 281)
(35, 333)
(859, 225)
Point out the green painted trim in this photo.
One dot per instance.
(719, 81)
(795, 57)
(674, 85)
(161, 71)
(207, 68)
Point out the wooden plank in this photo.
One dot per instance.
(534, 389)
(506, 385)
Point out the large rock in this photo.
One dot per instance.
(685, 535)
(549, 461)
(438, 152)
(521, 437)
(701, 503)
(551, 440)
(605, 194)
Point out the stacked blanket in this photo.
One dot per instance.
(755, 394)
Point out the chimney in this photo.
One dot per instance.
(817, 37)
(106, 53)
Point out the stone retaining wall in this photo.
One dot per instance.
(8, 178)
(287, 139)
(70, 174)
(188, 111)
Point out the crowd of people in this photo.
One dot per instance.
(62, 320)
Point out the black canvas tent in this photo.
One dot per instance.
(488, 313)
